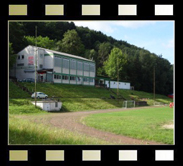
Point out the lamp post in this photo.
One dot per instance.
(35, 66)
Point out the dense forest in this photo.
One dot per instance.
(66, 37)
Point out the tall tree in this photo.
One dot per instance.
(114, 64)
(71, 43)
(12, 56)
(103, 52)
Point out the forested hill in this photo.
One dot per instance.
(81, 41)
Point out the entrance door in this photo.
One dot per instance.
(49, 77)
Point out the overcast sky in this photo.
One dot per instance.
(155, 36)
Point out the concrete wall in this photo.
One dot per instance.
(49, 106)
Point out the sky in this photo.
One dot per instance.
(155, 36)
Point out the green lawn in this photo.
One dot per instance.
(145, 124)
(26, 132)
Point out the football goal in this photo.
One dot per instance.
(128, 104)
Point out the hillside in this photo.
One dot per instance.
(81, 41)
(78, 98)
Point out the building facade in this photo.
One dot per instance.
(54, 66)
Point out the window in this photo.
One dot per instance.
(78, 78)
(79, 66)
(57, 61)
(86, 79)
(56, 104)
(20, 64)
(73, 64)
(22, 56)
(65, 77)
(72, 78)
(40, 66)
(66, 63)
(57, 76)
(86, 67)
(19, 57)
(92, 68)
(91, 79)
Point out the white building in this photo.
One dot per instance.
(49, 105)
(54, 66)
(115, 85)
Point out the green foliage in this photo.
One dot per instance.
(12, 56)
(148, 123)
(44, 42)
(71, 43)
(114, 64)
(93, 44)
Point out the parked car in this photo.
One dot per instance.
(39, 95)
(28, 80)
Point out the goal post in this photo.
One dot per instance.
(128, 104)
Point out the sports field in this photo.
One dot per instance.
(145, 124)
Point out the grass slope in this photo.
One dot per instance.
(142, 123)
(78, 98)
(16, 92)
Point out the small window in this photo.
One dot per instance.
(86, 79)
(41, 66)
(19, 57)
(56, 104)
(22, 56)
(57, 76)
(65, 77)
(72, 78)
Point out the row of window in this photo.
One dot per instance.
(22, 56)
(22, 64)
(73, 78)
(87, 66)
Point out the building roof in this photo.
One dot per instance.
(62, 53)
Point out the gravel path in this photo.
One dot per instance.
(72, 122)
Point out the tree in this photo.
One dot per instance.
(44, 42)
(12, 56)
(71, 43)
(103, 52)
(115, 62)
(16, 34)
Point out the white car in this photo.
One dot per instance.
(39, 95)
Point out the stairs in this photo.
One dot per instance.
(120, 96)
(22, 87)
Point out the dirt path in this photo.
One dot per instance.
(72, 122)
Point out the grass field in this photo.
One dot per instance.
(145, 124)
(26, 132)
(77, 98)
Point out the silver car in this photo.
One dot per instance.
(39, 95)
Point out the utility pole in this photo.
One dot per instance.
(154, 85)
(118, 77)
(35, 66)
